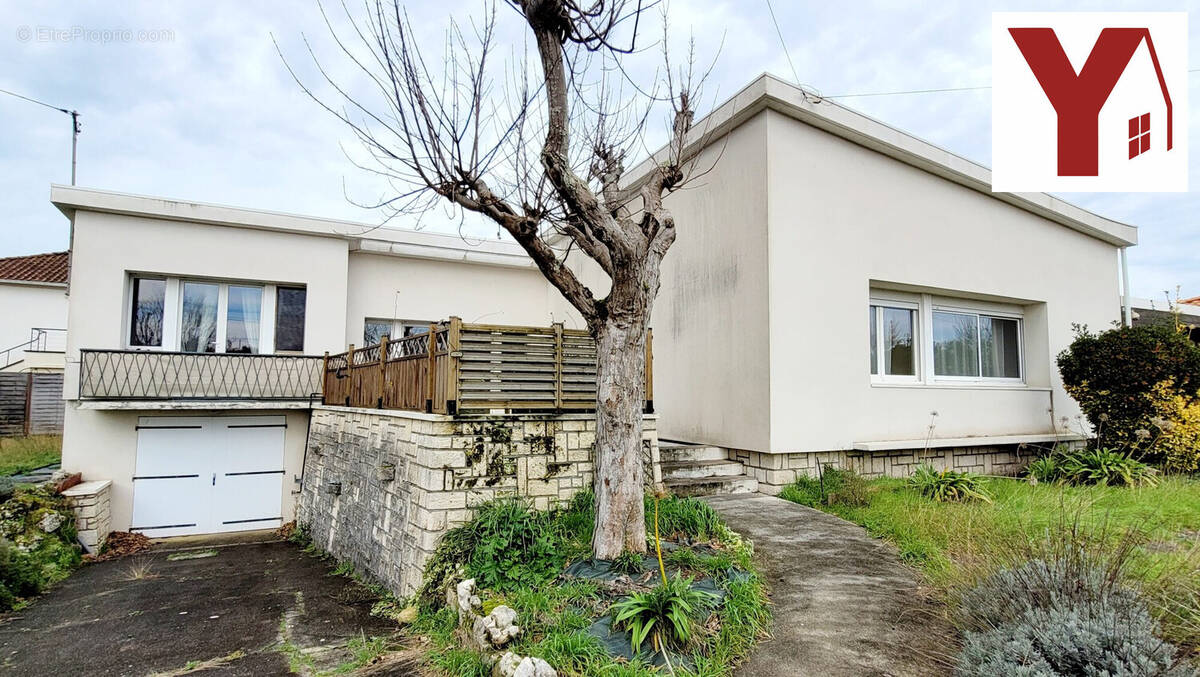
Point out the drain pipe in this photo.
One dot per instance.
(1126, 300)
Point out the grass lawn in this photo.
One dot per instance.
(955, 544)
(21, 454)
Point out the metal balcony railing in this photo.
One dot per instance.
(152, 375)
(41, 339)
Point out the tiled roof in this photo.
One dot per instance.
(1192, 302)
(36, 268)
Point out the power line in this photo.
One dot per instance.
(907, 91)
(40, 103)
(926, 91)
(779, 32)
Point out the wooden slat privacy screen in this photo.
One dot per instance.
(456, 367)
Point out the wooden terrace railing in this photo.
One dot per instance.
(457, 368)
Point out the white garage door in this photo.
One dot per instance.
(201, 475)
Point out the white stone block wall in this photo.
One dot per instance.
(93, 517)
(776, 471)
(405, 478)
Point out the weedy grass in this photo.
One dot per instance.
(22, 454)
(957, 544)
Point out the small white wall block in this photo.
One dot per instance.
(93, 521)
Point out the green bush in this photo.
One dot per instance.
(1104, 466)
(1119, 376)
(948, 485)
(685, 516)
(1068, 616)
(1045, 469)
(666, 614)
(833, 485)
(31, 558)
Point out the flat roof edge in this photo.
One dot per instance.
(69, 199)
(767, 92)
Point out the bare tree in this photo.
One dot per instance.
(542, 155)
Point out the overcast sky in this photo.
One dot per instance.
(197, 105)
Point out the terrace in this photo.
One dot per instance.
(456, 368)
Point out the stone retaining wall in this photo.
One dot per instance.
(776, 471)
(381, 487)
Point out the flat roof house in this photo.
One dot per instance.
(839, 291)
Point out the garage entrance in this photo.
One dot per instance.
(200, 475)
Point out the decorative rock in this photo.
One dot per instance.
(498, 627)
(465, 599)
(512, 665)
(50, 522)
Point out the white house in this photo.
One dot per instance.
(33, 302)
(839, 291)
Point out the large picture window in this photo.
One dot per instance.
(927, 340)
(204, 316)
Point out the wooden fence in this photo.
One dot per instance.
(31, 404)
(455, 367)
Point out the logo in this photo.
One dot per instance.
(1089, 102)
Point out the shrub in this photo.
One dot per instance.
(628, 563)
(1104, 466)
(1174, 432)
(1066, 616)
(948, 485)
(32, 559)
(1124, 378)
(833, 485)
(686, 516)
(666, 614)
(1045, 469)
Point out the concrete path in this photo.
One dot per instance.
(844, 605)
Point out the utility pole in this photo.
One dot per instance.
(74, 141)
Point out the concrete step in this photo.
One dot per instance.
(674, 451)
(693, 469)
(709, 486)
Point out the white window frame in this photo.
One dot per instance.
(925, 305)
(173, 312)
(877, 305)
(398, 325)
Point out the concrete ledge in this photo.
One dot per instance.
(943, 442)
(191, 405)
(87, 488)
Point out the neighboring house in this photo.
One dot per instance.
(1186, 312)
(839, 291)
(33, 303)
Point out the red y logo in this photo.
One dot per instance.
(1077, 99)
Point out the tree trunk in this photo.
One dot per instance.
(620, 401)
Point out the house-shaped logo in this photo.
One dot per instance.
(1089, 101)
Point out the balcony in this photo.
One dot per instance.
(153, 375)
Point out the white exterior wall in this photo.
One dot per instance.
(842, 218)
(390, 287)
(711, 347)
(24, 306)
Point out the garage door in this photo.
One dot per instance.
(200, 475)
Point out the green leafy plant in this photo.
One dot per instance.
(948, 485)
(1045, 468)
(32, 559)
(1105, 466)
(665, 614)
(832, 485)
(684, 516)
(628, 563)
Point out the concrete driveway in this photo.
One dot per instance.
(240, 609)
